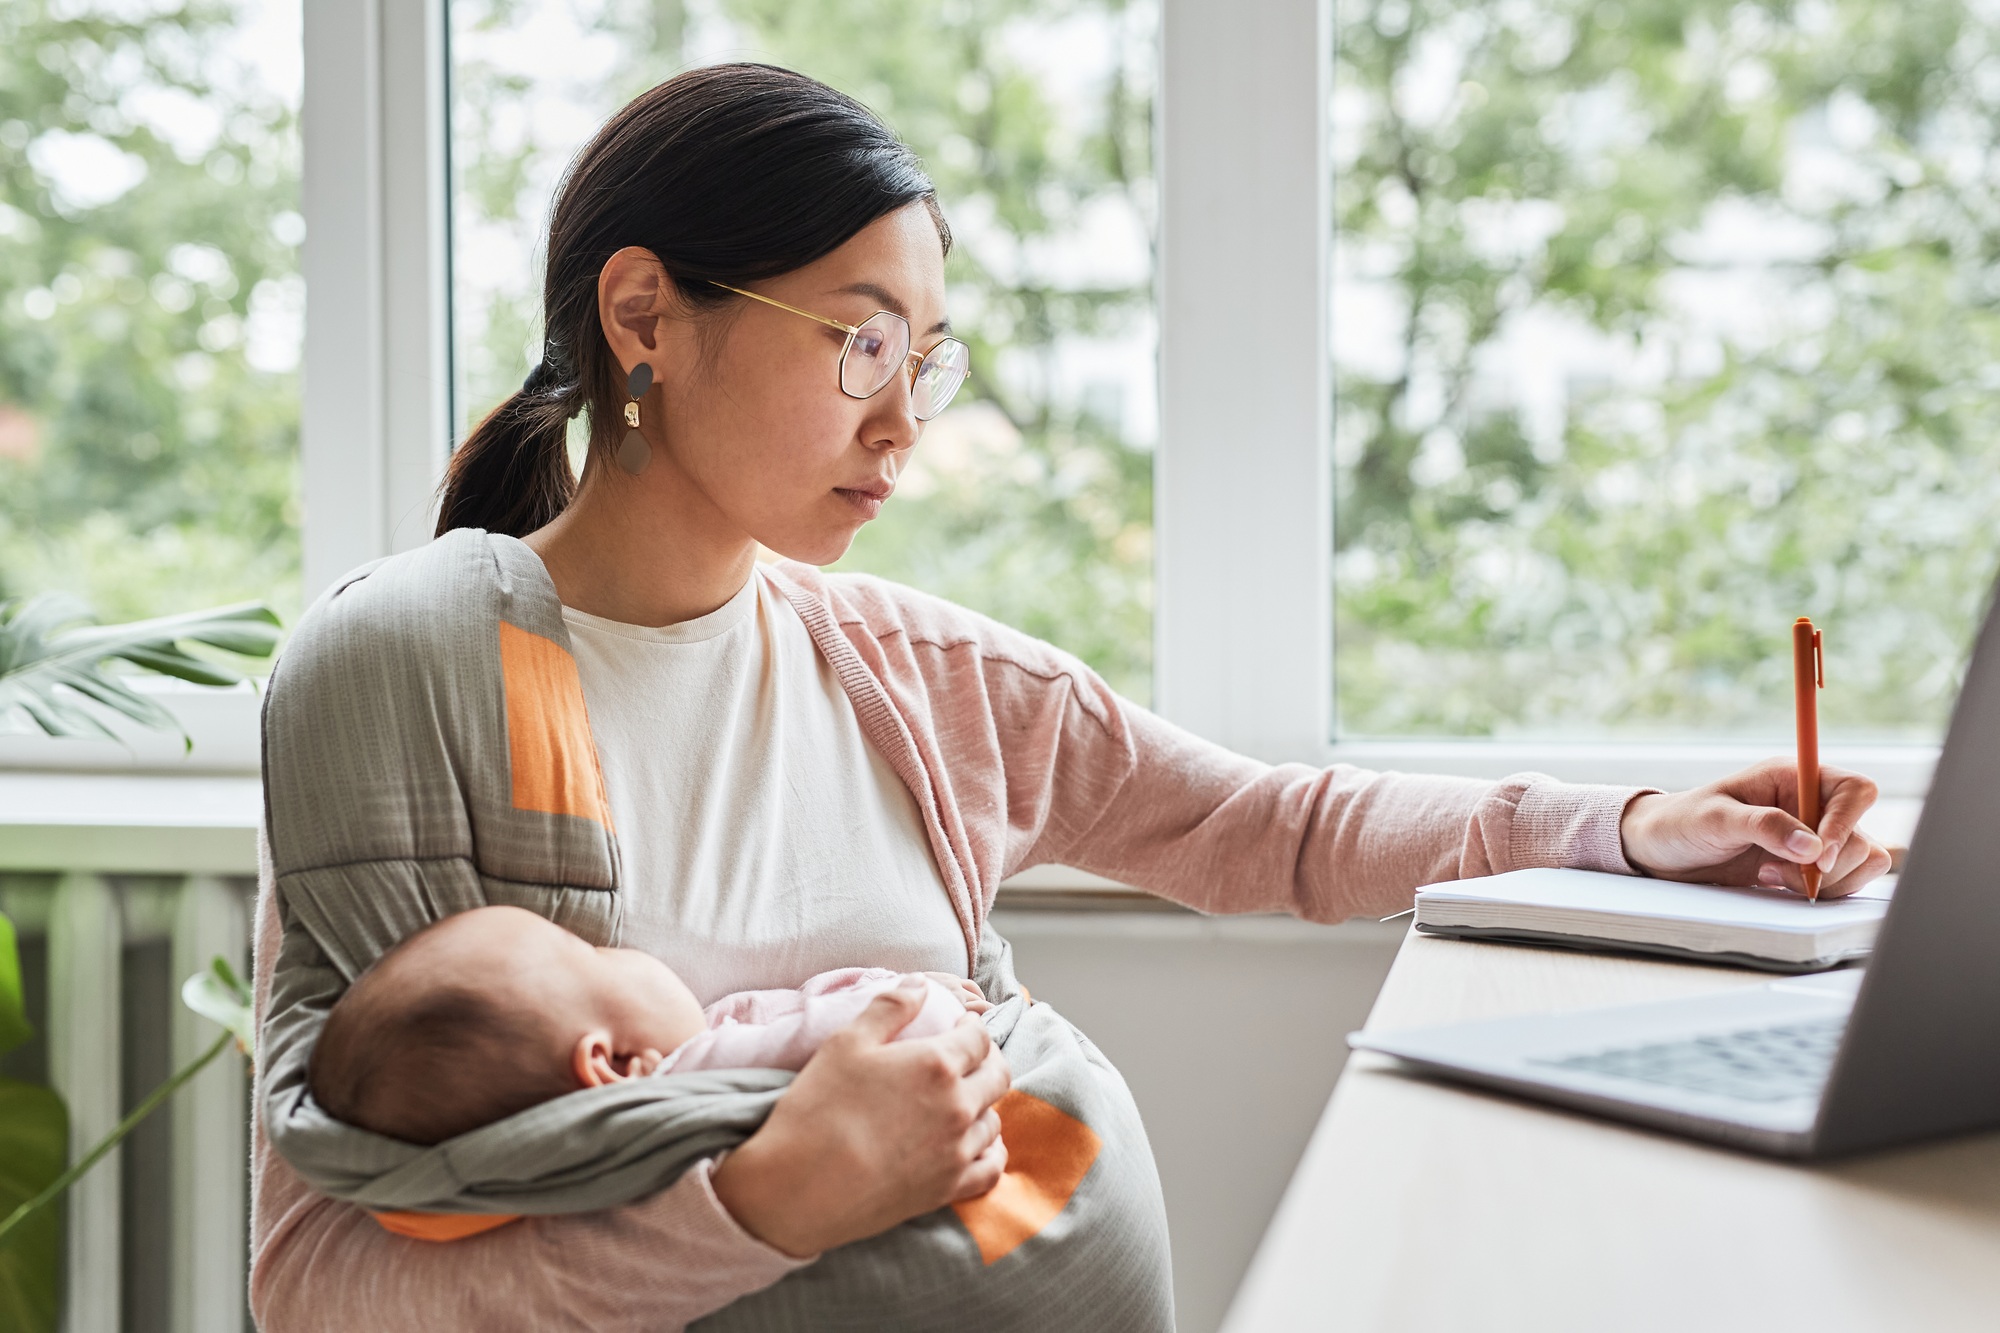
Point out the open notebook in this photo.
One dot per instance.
(1582, 909)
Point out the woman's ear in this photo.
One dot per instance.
(633, 297)
(594, 1060)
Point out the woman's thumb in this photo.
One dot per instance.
(1776, 832)
(891, 1011)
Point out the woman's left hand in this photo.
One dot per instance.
(1743, 830)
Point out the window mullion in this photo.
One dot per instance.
(1242, 510)
(375, 419)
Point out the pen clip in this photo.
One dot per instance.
(1819, 658)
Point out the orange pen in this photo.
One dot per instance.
(1808, 679)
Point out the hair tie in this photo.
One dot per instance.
(541, 378)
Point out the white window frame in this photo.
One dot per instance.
(1243, 510)
(375, 425)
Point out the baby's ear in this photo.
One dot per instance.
(594, 1061)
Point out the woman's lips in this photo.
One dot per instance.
(868, 503)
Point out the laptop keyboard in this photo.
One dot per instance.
(1773, 1064)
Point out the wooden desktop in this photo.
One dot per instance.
(1421, 1206)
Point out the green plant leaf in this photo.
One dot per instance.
(51, 655)
(220, 997)
(14, 1027)
(34, 1141)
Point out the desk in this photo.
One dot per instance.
(1418, 1206)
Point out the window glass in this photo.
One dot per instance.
(1657, 324)
(1030, 498)
(151, 310)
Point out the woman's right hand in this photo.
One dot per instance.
(873, 1132)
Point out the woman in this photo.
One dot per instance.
(745, 299)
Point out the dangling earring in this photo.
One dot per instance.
(634, 452)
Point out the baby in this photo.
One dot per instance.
(495, 1010)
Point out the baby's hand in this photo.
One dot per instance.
(974, 999)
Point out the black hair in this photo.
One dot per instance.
(726, 173)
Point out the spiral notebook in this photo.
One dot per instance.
(1581, 909)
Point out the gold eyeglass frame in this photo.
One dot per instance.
(853, 331)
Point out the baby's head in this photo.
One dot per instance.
(487, 1013)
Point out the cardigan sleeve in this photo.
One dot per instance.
(1038, 760)
(1158, 807)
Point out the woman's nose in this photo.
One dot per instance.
(892, 420)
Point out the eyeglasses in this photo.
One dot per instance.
(877, 346)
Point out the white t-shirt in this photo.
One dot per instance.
(763, 839)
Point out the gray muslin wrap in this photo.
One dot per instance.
(426, 751)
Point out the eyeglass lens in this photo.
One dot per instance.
(874, 353)
(938, 378)
(880, 347)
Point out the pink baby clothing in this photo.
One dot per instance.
(780, 1029)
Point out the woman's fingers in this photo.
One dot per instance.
(1844, 798)
(966, 1044)
(979, 1138)
(1862, 861)
(983, 1173)
(889, 1013)
(989, 1082)
(1767, 827)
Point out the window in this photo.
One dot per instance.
(1030, 499)
(1655, 325)
(151, 307)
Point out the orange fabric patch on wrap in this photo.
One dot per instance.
(549, 750)
(1049, 1152)
(442, 1226)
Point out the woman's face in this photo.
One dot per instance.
(754, 416)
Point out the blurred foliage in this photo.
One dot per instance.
(1754, 242)
(1031, 499)
(148, 257)
(53, 657)
(34, 1143)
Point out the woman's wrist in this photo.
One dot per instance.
(1634, 828)
(752, 1187)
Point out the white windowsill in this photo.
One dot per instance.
(1902, 771)
(221, 723)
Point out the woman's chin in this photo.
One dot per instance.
(820, 548)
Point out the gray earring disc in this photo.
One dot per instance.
(639, 381)
(634, 453)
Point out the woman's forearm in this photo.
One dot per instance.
(318, 1264)
(1224, 833)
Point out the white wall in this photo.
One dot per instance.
(1231, 1034)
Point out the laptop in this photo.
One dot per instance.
(1904, 1049)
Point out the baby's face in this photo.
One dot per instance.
(642, 1009)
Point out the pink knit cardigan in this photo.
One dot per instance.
(1018, 755)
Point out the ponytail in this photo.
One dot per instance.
(728, 174)
(512, 474)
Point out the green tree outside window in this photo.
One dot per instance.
(150, 304)
(1748, 250)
